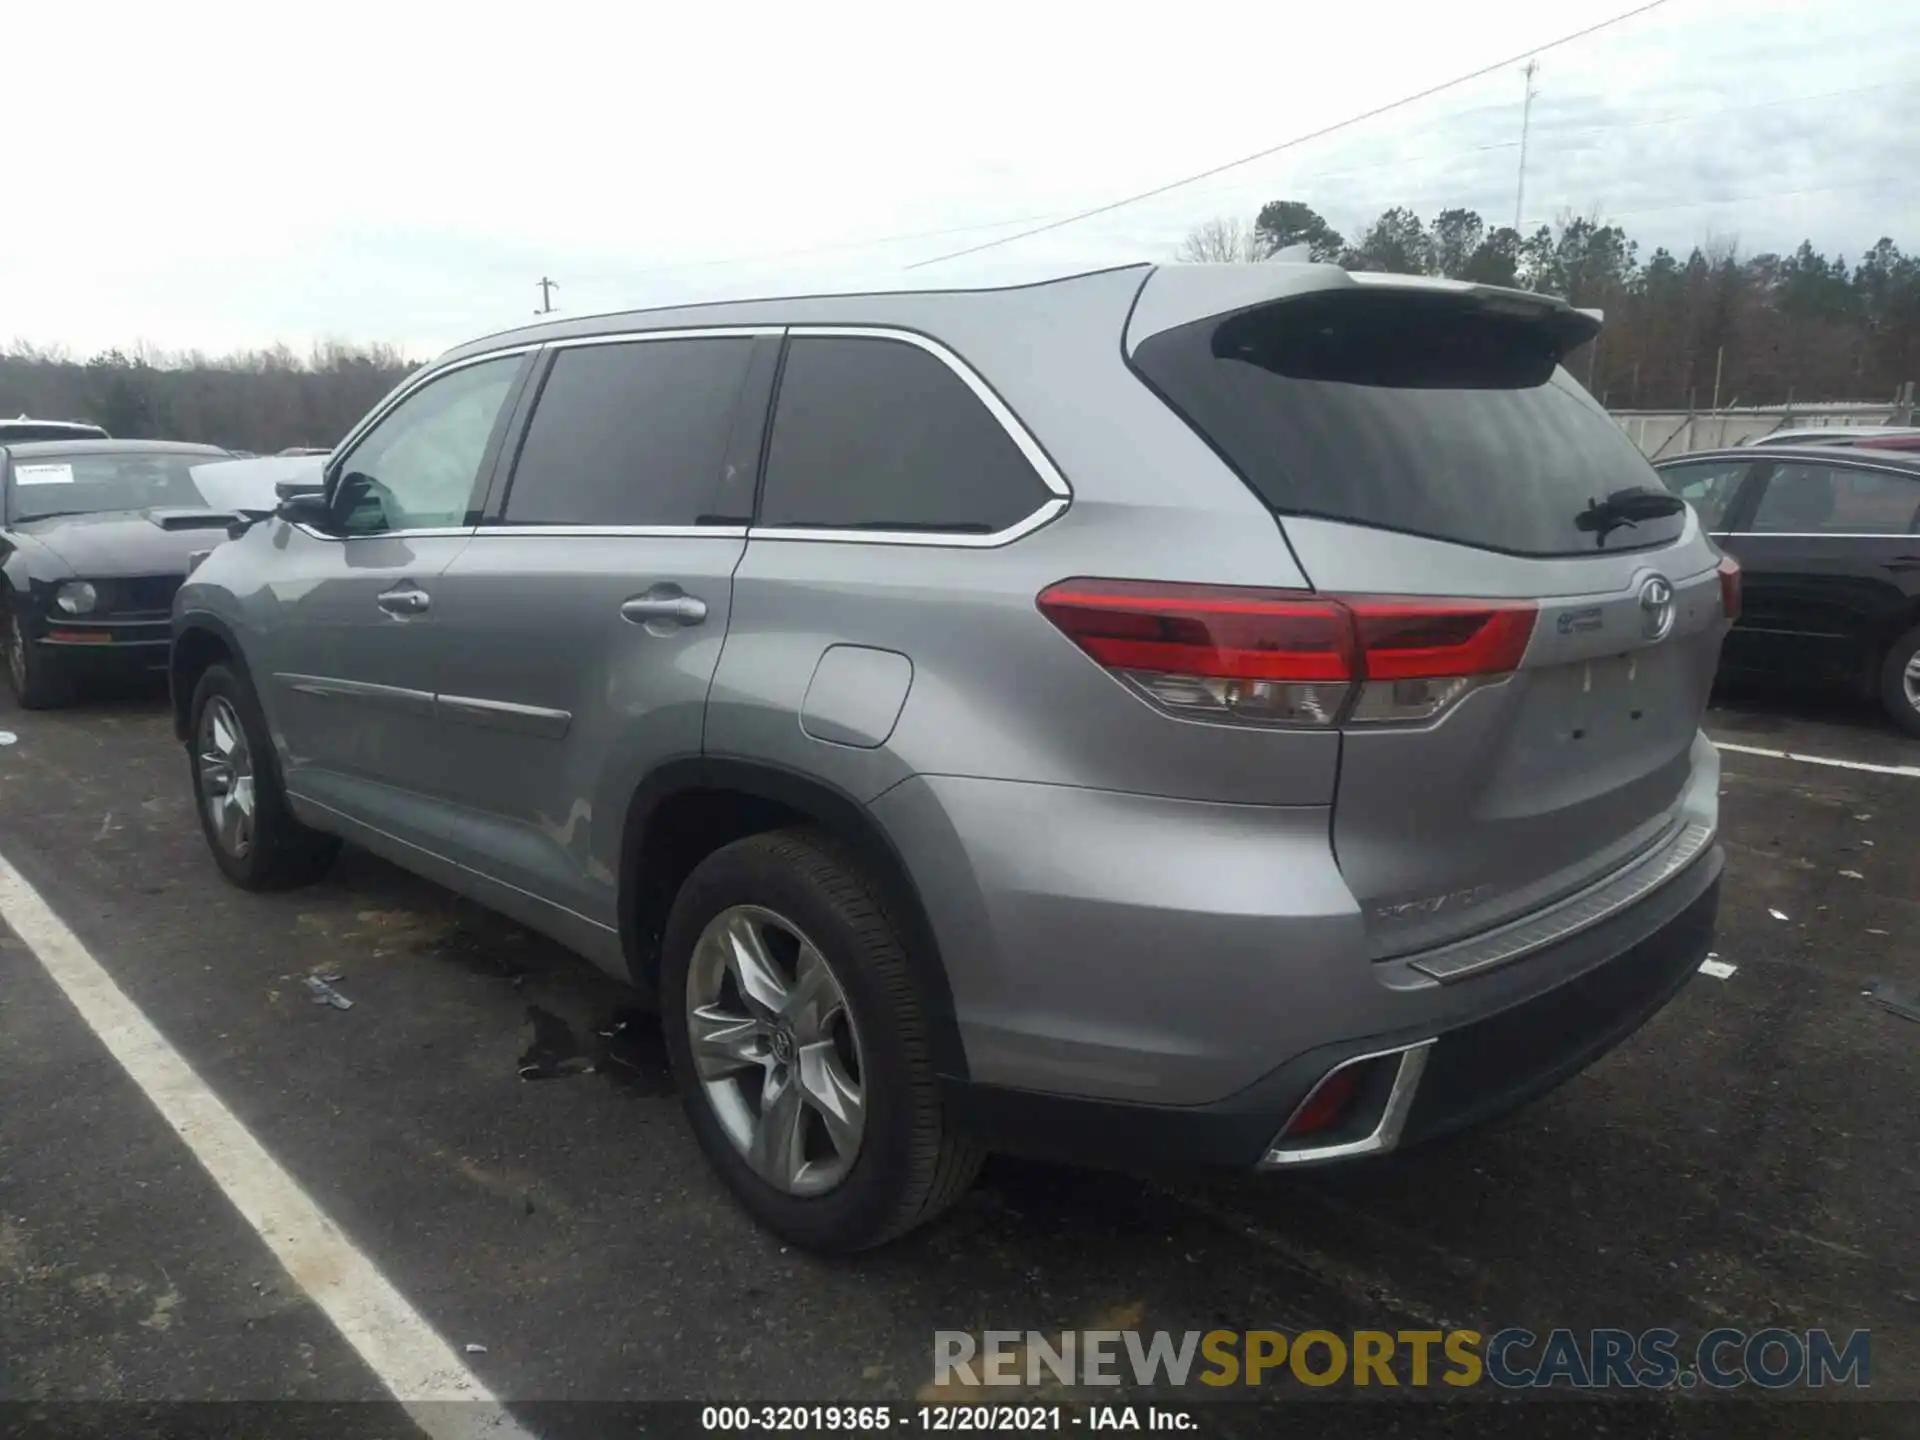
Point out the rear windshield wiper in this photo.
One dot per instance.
(1624, 509)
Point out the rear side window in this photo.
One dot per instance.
(1708, 486)
(1837, 500)
(1419, 413)
(629, 434)
(873, 434)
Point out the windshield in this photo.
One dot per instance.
(85, 484)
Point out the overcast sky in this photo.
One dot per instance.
(217, 175)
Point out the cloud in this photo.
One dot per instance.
(223, 174)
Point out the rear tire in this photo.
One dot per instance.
(803, 896)
(237, 793)
(36, 679)
(1900, 682)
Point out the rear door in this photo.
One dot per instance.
(1832, 566)
(581, 628)
(1423, 442)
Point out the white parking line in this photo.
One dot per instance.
(397, 1344)
(1912, 772)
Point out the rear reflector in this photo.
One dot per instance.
(1328, 1104)
(1290, 657)
(1730, 586)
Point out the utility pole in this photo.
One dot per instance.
(547, 287)
(1526, 119)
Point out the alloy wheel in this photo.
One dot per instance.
(226, 777)
(776, 1050)
(1910, 681)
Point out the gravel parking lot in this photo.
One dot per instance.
(492, 1127)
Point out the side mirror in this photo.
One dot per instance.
(309, 508)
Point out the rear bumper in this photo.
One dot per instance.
(1467, 1073)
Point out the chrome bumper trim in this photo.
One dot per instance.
(1524, 936)
(1386, 1131)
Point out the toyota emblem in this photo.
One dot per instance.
(1656, 607)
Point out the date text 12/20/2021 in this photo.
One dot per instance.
(940, 1419)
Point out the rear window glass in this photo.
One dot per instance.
(1417, 413)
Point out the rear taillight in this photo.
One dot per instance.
(1730, 586)
(1290, 657)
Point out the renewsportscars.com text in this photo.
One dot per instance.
(1511, 1358)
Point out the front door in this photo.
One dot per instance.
(350, 644)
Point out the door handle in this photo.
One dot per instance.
(409, 601)
(663, 605)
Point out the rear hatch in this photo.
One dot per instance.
(1534, 629)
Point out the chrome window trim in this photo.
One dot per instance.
(665, 532)
(1386, 1131)
(425, 533)
(1815, 534)
(1023, 440)
(702, 332)
(955, 539)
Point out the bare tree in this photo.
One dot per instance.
(1221, 241)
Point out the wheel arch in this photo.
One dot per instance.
(686, 809)
(200, 639)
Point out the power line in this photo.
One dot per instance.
(1208, 174)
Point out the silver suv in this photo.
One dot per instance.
(1226, 714)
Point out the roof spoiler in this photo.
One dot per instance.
(1176, 295)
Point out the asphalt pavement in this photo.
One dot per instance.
(492, 1125)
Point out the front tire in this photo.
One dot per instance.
(243, 810)
(800, 1048)
(34, 677)
(1900, 682)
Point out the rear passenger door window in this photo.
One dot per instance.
(1836, 500)
(632, 434)
(875, 434)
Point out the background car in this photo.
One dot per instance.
(95, 536)
(1827, 542)
(23, 430)
(1879, 437)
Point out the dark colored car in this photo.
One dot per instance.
(1828, 540)
(95, 536)
(24, 430)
